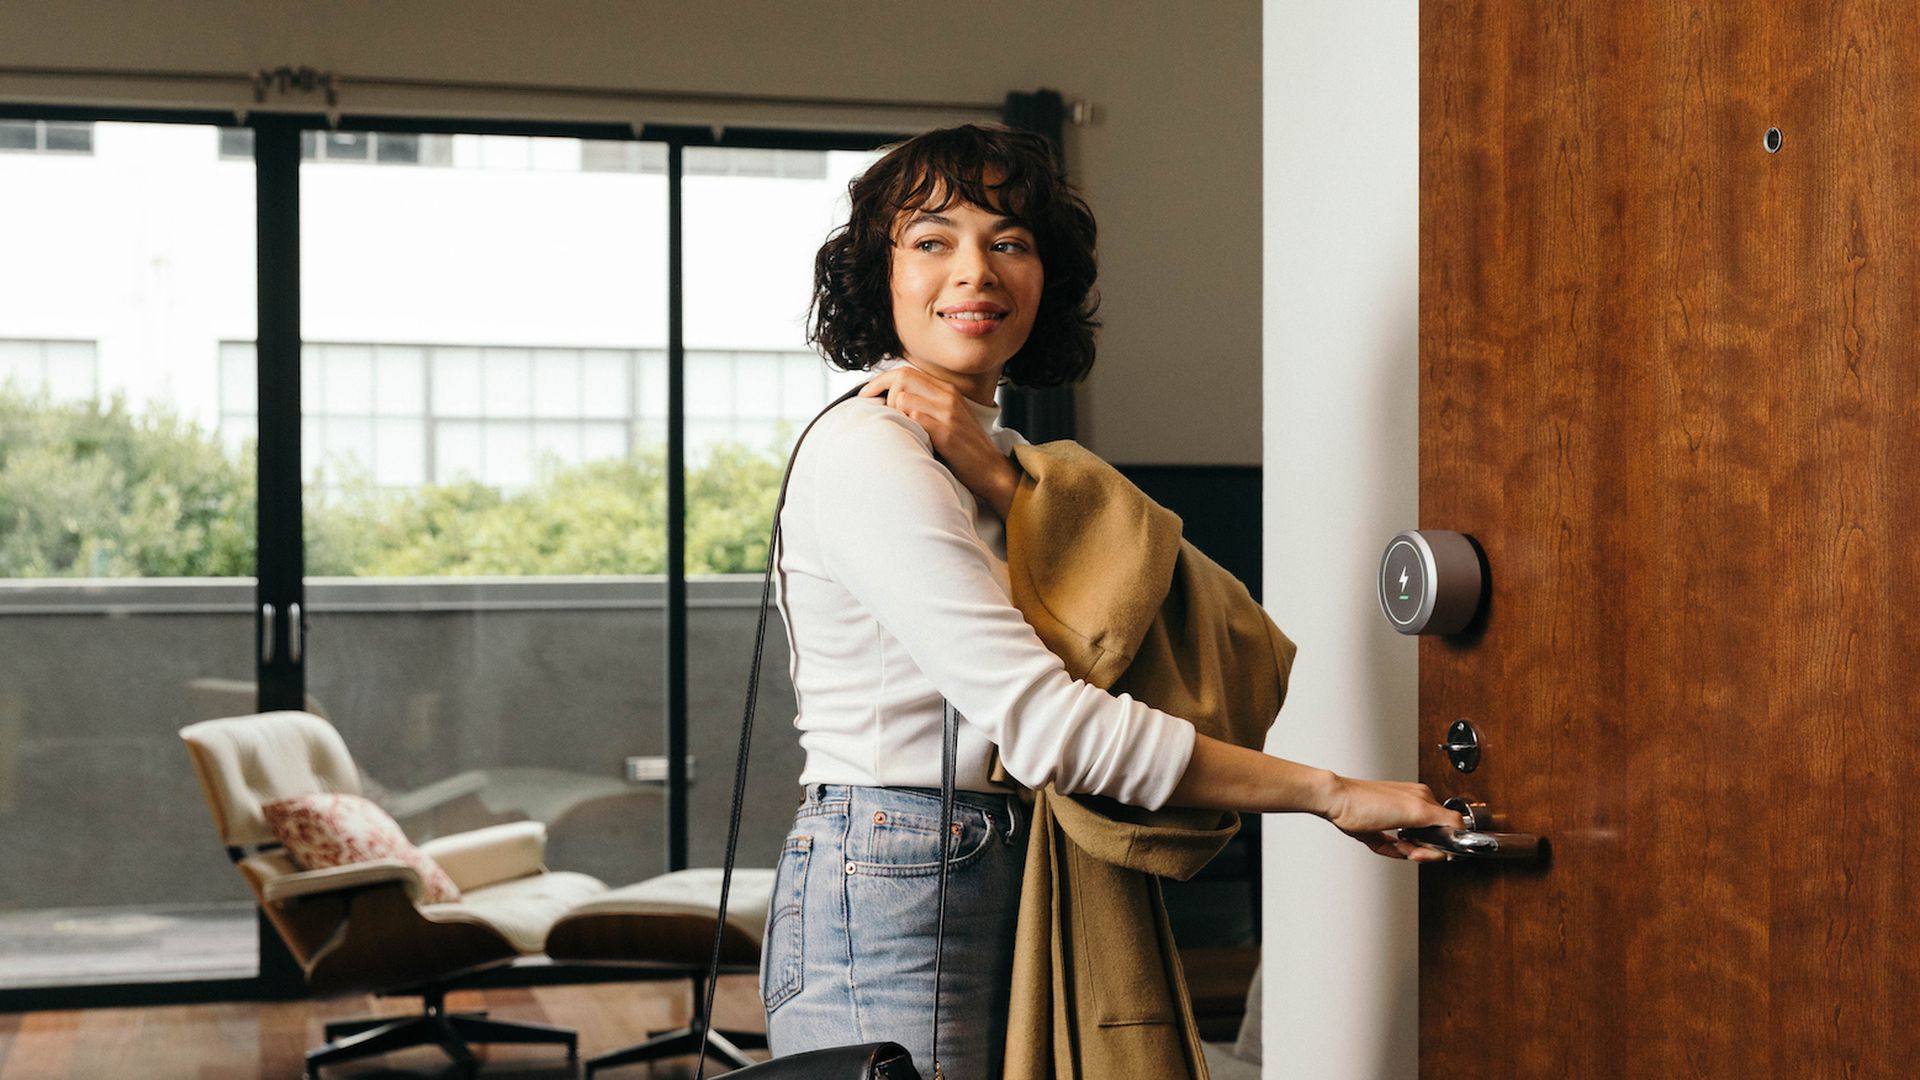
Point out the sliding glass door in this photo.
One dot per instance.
(484, 337)
(127, 511)
(754, 218)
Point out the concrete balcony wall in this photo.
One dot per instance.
(463, 701)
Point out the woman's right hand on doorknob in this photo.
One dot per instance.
(1369, 811)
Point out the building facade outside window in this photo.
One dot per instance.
(403, 416)
(57, 371)
(46, 136)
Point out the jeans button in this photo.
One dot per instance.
(879, 817)
(850, 868)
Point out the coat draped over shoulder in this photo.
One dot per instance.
(1102, 574)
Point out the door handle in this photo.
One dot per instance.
(296, 632)
(1475, 841)
(266, 633)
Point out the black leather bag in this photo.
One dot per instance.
(878, 1061)
(869, 1061)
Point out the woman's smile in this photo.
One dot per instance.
(974, 319)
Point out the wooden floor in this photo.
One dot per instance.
(268, 1040)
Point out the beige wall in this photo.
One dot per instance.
(1342, 445)
(1171, 162)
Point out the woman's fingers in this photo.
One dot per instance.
(936, 421)
(1385, 844)
(910, 403)
(1382, 844)
(894, 387)
(1442, 815)
(887, 386)
(1392, 847)
(906, 378)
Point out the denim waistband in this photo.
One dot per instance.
(1006, 809)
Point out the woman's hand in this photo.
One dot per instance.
(1223, 776)
(1368, 811)
(957, 437)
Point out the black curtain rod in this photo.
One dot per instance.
(310, 79)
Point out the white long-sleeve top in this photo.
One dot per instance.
(893, 585)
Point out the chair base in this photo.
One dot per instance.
(452, 1032)
(725, 1047)
(722, 1046)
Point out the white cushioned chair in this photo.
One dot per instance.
(363, 927)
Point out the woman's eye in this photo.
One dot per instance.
(926, 245)
(1018, 247)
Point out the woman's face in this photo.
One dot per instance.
(966, 286)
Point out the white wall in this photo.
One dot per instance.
(1170, 164)
(1341, 450)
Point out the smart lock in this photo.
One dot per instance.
(1430, 582)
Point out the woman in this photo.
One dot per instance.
(966, 259)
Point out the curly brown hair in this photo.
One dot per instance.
(1011, 173)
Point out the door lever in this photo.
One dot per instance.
(1475, 841)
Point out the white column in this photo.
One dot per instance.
(1341, 161)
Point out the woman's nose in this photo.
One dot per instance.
(973, 267)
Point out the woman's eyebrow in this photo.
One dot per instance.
(924, 218)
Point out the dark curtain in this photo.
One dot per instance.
(1040, 415)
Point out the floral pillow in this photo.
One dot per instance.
(324, 830)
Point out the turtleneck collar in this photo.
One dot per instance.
(988, 415)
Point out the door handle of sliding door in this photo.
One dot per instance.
(267, 614)
(1476, 840)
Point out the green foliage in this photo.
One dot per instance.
(730, 508)
(92, 491)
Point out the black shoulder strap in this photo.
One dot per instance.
(949, 742)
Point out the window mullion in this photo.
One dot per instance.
(676, 567)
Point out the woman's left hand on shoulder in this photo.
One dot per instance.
(941, 411)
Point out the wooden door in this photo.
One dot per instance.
(1669, 380)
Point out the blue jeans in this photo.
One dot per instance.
(850, 938)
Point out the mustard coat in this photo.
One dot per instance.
(1102, 574)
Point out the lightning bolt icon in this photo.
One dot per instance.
(1403, 580)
